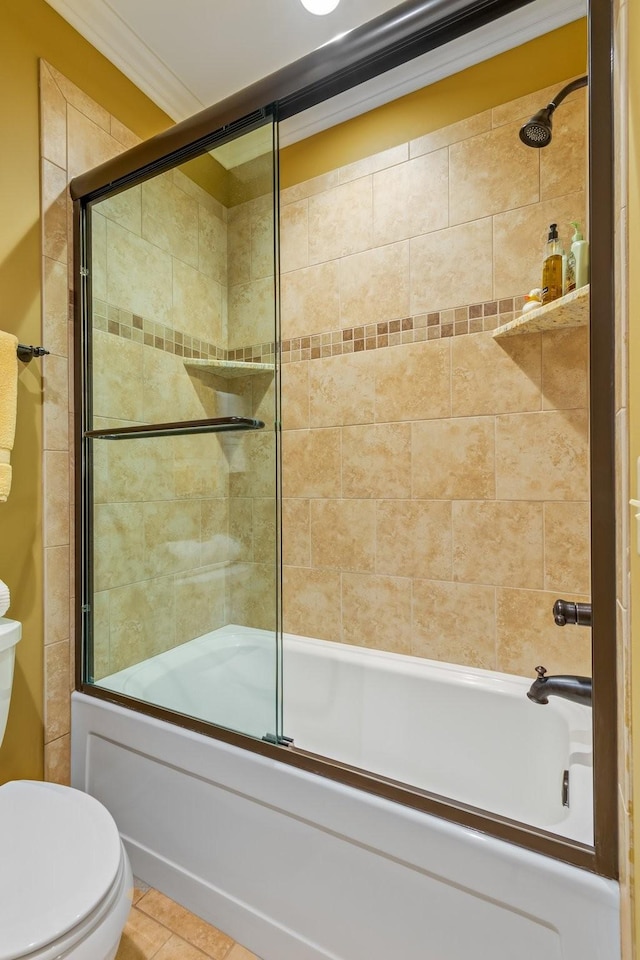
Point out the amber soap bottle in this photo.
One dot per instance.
(552, 267)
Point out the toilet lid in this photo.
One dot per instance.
(59, 856)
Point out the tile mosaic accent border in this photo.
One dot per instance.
(454, 322)
(130, 326)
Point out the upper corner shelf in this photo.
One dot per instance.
(231, 369)
(572, 310)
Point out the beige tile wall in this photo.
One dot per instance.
(252, 585)
(174, 556)
(161, 522)
(435, 480)
(250, 277)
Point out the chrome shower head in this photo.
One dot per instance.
(537, 131)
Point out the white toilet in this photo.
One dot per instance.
(65, 879)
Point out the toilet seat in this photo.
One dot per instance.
(62, 868)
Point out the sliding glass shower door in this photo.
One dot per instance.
(179, 439)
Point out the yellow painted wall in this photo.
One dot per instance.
(634, 388)
(30, 29)
(515, 73)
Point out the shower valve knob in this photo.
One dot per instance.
(565, 611)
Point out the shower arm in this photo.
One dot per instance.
(570, 88)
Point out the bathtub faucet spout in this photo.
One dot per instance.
(576, 689)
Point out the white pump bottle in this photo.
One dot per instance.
(580, 250)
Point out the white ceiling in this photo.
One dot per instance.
(190, 54)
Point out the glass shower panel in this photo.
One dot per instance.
(181, 440)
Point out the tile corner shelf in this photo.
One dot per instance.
(572, 310)
(231, 369)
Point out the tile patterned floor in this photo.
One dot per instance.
(159, 928)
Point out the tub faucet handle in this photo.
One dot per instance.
(541, 672)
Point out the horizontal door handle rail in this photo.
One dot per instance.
(181, 428)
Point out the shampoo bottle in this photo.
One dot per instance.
(580, 250)
(552, 267)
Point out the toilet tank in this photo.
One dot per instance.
(10, 633)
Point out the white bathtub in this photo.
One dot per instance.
(298, 867)
(471, 735)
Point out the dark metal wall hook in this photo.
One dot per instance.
(26, 354)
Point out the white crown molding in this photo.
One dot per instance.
(510, 31)
(109, 34)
